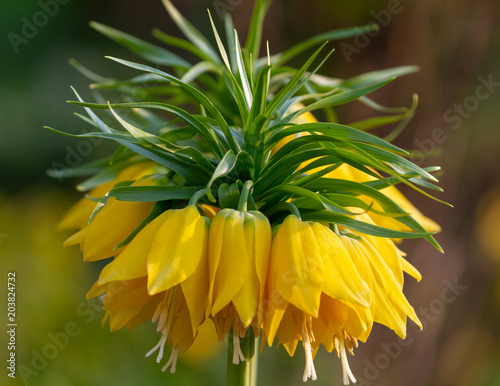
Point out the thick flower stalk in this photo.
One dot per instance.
(228, 204)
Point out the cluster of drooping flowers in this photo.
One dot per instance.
(250, 215)
(308, 282)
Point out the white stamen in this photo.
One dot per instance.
(346, 370)
(161, 346)
(172, 361)
(237, 353)
(309, 371)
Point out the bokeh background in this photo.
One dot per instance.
(456, 43)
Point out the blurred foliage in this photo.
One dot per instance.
(453, 41)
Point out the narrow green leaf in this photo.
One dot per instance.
(86, 72)
(192, 153)
(153, 193)
(404, 122)
(86, 169)
(373, 123)
(259, 96)
(190, 31)
(181, 43)
(332, 185)
(243, 73)
(372, 77)
(202, 98)
(254, 36)
(331, 130)
(190, 172)
(229, 28)
(341, 98)
(328, 204)
(144, 49)
(360, 226)
(291, 86)
(239, 94)
(394, 159)
(246, 166)
(198, 69)
(202, 130)
(339, 34)
(113, 136)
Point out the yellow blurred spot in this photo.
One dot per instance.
(205, 346)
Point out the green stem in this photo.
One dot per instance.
(283, 206)
(244, 373)
(197, 196)
(245, 191)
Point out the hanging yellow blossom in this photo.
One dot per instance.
(238, 254)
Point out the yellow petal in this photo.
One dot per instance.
(359, 321)
(333, 313)
(132, 262)
(289, 332)
(296, 270)
(394, 194)
(111, 226)
(209, 210)
(386, 248)
(129, 294)
(257, 235)
(229, 259)
(195, 288)
(180, 334)
(262, 240)
(96, 290)
(119, 319)
(145, 314)
(410, 269)
(78, 238)
(177, 249)
(342, 280)
(390, 305)
(322, 335)
(273, 314)
(79, 214)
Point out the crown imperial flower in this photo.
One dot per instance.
(229, 205)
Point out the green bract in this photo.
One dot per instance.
(213, 124)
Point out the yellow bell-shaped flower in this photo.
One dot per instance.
(167, 260)
(238, 255)
(77, 217)
(110, 226)
(171, 250)
(127, 303)
(315, 290)
(390, 306)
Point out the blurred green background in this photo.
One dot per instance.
(456, 43)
